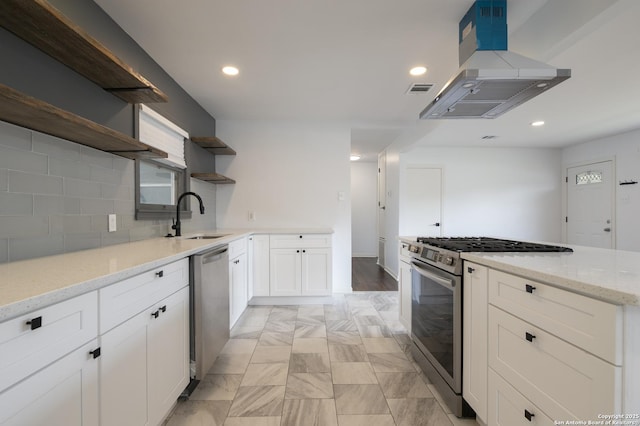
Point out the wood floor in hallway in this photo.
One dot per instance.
(367, 275)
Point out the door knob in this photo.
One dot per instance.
(607, 229)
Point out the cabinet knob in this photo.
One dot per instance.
(163, 308)
(95, 353)
(35, 322)
(160, 274)
(300, 236)
(304, 251)
(297, 251)
(529, 336)
(528, 415)
(529, 288)
(155, 314)
(470, 269)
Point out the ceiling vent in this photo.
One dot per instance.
(418, 88)
(491, 80)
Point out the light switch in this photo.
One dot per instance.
(112, 223)
(340, 195)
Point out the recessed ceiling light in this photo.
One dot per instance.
(537, 123)
(417, 71)
(354, 157)
(229, 70)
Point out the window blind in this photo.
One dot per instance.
(157, 131)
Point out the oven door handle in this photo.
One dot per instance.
(448, 284)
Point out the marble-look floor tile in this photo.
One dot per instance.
(275, 339)
(230, 364)
(258, 401)
(246, 332)
(221, 387)
(345, 337)
(265, 374)
(251, 421)
(374, 319)
(310, 331)
(197, 413)
(311, 310)
(360, 399)
(353, 373)
(271, 354)
(341, 325)
(251, 320)
(239, 346)
(283, 314)
(306, 412)
(360, 311)
(309, 345)
(374, 331)
(309, 363)
(380, 345)
(391, 362)
(347, 353)
(309, 320)
(403, 385)
(418, 412)
(365, 420)
(309, 386)
(280, 326)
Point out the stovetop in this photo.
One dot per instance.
(485, 244)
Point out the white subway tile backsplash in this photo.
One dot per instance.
(34, 183)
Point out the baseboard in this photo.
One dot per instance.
(364, 254)
(291, 300)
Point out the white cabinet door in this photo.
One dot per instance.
(259, 266)
(316, 271)
(285, 272)
(237, 288)
(168, 354)
(123, 373)
(474, 337)
(63, 394)
(404, 288)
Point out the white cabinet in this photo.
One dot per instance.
(47, 372)
(258, 266)
(404, 287)
(559, 350)
(238, 283)
(300, 265)
(474, 337)
(144, 362)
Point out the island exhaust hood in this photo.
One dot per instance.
(491, 80)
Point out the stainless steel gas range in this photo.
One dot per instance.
(436, 311)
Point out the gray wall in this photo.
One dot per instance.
(55, 195)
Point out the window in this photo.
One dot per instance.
(586, 178)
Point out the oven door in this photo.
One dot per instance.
(436, 320)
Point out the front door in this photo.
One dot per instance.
(590, 194)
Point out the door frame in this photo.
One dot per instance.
(565, 195)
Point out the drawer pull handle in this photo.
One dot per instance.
(155, 314)
(529, 288)
(528, 414)
(163, 308)
(95, 353)
(160, 274)
(529, 336)
(297, 251)
(35, 323)
(470, 269)
(300, 236)
(304, 251)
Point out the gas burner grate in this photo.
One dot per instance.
(485, 244)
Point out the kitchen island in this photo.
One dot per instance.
(555, 336)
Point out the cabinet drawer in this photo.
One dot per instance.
(65, 326)
(588, 323)
(300, 240)
(237, 247)
(562, 380)
(123, 300)
(507, 407)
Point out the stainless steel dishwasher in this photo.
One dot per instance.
(209, 310)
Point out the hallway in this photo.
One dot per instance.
(367, 275)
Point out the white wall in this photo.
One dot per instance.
(625, 149)
(364, 207)
(290, 175)
(502, 192)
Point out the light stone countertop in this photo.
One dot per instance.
(32, 284)
(605, 274)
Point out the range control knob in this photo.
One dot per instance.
(448, 260)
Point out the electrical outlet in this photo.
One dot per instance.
(112, 223)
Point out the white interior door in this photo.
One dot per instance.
(421, 213)
(590, 205)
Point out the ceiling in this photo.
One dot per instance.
(347, 61)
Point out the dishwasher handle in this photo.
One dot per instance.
(213, 255)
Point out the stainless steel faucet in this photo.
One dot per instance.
(177, 225)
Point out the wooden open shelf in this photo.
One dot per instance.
(34, 114)
(212, 178)
(213, 144)
(43, 26)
